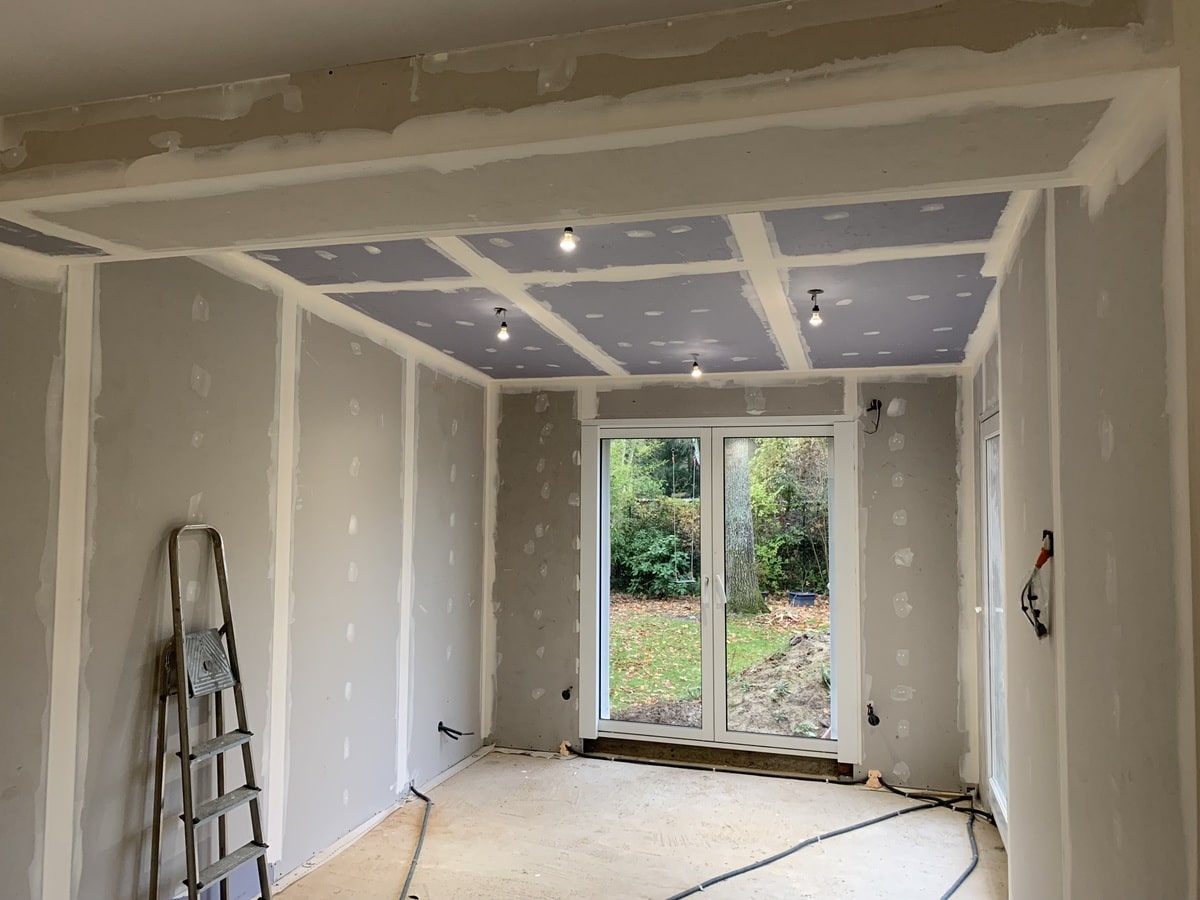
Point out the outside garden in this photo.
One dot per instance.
(776, 556)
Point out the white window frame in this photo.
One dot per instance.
(989, 429)
(846, 610)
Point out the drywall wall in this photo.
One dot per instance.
(346, 569)
(537, 595)
(536, 590)
(184, 389)
(908, 497)
(448, 550)
(1119, 619)
(31, 346)
(810, 398)
(1028, 506)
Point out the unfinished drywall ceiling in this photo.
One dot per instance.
(448, 553)
(345, 621)
(909, 512)
(31, 347)
(904, 284)
(184, 385)
(60, 53)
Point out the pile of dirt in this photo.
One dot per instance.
(785, 694)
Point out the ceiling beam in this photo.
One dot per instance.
(510, 288)
(750, 232)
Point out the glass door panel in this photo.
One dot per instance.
(774, 585)
(651, 550)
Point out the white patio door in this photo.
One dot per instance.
(720, 587)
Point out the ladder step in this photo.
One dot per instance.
(222, 868)
(222, 743)
(218, 806)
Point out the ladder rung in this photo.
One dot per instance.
(218, 806)
(220, 744)
(221, 869)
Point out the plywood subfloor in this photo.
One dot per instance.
(513, 826)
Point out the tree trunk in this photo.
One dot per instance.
(741, 566)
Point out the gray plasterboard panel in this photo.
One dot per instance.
(31, 372)
(880, 293)
(1122, 660)
(448, 550)
(601, 246)
(655, 326)
(895, 223)
(19, 236)
(182, 427)
(463, 324)
(344, 622)
(536, 592)
(703, 398)
(351, 263)
(910, 466)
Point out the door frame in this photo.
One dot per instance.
(846, 608)
(989, 429)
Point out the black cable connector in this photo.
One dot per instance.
(872, 719)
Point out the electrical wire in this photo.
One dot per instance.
(704, 885)
(966, 873)
(412, 868)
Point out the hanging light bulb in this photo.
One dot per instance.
(502, 334)
(696, 371)
(815, 318)
(569, 241)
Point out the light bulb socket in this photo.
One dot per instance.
(696, 370)
(568, 241)
(502, 334)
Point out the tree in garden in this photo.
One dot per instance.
(741, 565)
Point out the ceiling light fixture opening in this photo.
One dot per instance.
(502, 334)
(815, 318)
(568, 241)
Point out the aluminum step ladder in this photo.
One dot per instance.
(210, 667)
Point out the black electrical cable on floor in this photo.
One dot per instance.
(704, 885)
(412, 868)
(974, 859)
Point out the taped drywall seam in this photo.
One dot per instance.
(850, 397)
(1122, 141)
(404, 692)
(750, 232)
(1010, 232)
(286, 448)
(1058, 617)
(59, 841)
(1175, 297)
(248, 270)
(722, 380)
(970, 677)
(31, 269)
(491, 489)
(507, 286)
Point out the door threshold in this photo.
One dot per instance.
(709, 756)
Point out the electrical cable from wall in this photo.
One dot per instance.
(412, 868)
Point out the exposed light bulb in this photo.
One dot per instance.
(696, 372)
(502, 334)
(569, 241)
(815, 319)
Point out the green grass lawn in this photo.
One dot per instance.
(657, 657)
